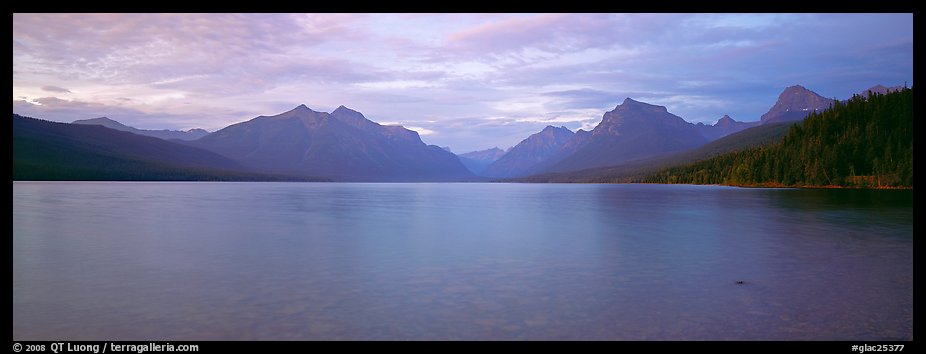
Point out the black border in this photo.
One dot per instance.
(578, 346)
(485, 6)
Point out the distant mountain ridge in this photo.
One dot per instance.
(793, 105)
(636, 131)
(880, 89)
(525, 157)
(478, 161)
(724, 126)
(344, 145)
(44, 150)
(631, 131)
(191, 134)
(760, 135)
(341, 145)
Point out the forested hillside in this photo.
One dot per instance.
(858, 143)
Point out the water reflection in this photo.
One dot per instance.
(176, 261)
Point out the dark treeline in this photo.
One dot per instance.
(857, 143)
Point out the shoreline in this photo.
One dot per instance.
(778, 185)
(763, 185)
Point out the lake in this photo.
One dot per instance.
(302, 261)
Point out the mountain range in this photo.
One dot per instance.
(635, 132)
(630, 131)
(341, 145)
(165, 134)
(757, 136)
(346, 146)
(724, 126)
(44, 150)
(478, 161)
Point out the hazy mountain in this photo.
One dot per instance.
(477, 161)
(757, 136)
(633, 130)
(44, 150)
(485, 155)
(795, 103)
(165, 134)
(880, 89)
(577, 159)
(342, 145)
(724, 126)
(524, 158)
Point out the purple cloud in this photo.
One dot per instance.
(57, 89)
(475, 80)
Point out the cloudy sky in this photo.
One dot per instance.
(468, 81)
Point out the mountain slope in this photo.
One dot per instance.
(477, 161)
(859, 143)
(524, 158)
(632, 130)
(749, 138)
(44, 150)
(795, 103)
(342, 145)
(165, 134)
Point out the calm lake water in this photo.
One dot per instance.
(281, 261)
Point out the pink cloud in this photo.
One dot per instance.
(560, 33)
(510, 33)
(153, 47)
(175, 67)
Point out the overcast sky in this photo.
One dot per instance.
(468, 81)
